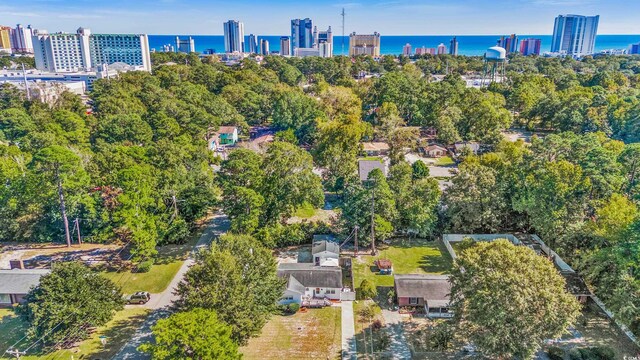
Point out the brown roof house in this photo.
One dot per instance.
(16, 283)
(375, 148)
(434, 151)
(430, 292)
(366, 166)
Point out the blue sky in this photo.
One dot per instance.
(389, 17)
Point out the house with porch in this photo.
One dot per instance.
(16, 283)
(429, 292)
(225, 136)
(375, 148)
(309, 285)
(434, 151)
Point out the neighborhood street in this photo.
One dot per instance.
(160, 303)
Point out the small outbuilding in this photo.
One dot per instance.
(385, 267)
(325, 252)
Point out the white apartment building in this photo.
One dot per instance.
(574, 35)
(83, 51)
(21, 38)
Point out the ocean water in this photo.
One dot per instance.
(467, 44)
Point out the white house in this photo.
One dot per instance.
(325, 252)
(307, 283)
(225, 136)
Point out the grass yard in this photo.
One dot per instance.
(154, 281)
(305, 211)
(445, 161)
(311, 335)
(118, 331)
(409, 256)
(373, 158)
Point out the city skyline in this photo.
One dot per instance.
(198, 17)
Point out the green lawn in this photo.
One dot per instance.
(118, 331)
(408, 257)
(373, 158)
(305, 211)
(445, 161)
(315, 334)
(154, 281)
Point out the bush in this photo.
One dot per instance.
(604, 352)
(293, 308)
(368, 289)
(441, 338)
(555, 353)
(574, 354)
(279, 235)
(377, 325)
(144, 266)
(587, 354)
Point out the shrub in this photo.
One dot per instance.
(603, 352)
(441, 338)
(555, 353)
(587, 354)
(574, 354)
(144, 266)
(368, 289)
(293, 308)
(377, 325)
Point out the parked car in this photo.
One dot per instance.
(140, 297)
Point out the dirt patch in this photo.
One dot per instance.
(41, 255)
(293, 254)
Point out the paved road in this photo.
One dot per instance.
(398, 347)
(349, 351)
(161, 303)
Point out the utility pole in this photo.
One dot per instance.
(17, 353)
(78, 228)
(63, 209)
(373, 236)
(343, 14)
(356, 240)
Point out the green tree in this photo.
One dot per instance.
(420, 170)
(508, 300)
(195, 334)
(244, 208)
(68, 302)
(368, 289)
(237, 279)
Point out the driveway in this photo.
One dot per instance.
(161, 303)
(349, 351)
(398, 346)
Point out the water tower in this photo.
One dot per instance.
(495, 59)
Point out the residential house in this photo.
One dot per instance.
(375, 148)
(225, 136)
(473, 146)
(434, 151)
(366, 166)
(310, 285)
(16, 283)
(430, 292)
(325, 252)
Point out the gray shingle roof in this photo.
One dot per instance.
(312, 276)
(19, 281)
(435, 289)
(330, 246)
(366, 166)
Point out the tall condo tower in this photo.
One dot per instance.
(233, 36)
(575, 35)
(253, 44)
(301, 34)
(285, 46)
(453, 46)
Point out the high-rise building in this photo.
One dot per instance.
(364, 44)
(509, 43)
(64, 52)
(187, 45)
(575, 35)
(253, 44)
(233, 36)
(264, 47)
(442, 49)
(425, 50)
(301, 34)
(453, 47)
(406, 50)
(530, 46)
(285, 46)
(5, 39)
(634, 49)
(22, 42)
(323, 40)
